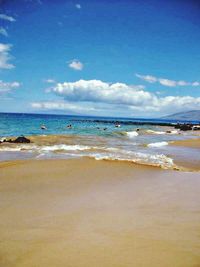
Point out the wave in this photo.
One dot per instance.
(64, 147)
(162, 132)
(132, 134)
(17, 148)
(155, 132)
(45, 148)
(158, 144)
(96, 152)
(158, 160)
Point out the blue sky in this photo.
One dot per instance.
(115, 58)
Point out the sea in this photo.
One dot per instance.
(139, 141)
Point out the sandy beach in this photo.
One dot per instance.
(82, 212)
(191, 143)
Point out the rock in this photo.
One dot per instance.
(21, 139)
(186, 127)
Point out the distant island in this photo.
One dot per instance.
(193, 115)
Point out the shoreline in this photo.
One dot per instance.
(177, 155)
(83, 212)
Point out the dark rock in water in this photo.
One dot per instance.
(21, 139)
(186, 127)
(177, 126)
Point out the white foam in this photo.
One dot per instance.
(9, 149)
(64, 147)
(155, 132)
(17, 148)
(140, 158)
(132, 134)
(173, 132)
(157, 144)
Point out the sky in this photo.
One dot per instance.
(124, 58)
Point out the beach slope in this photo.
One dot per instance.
(86, 213)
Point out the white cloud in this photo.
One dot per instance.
(3, 31)
(76, 64)
(78, 6)
(62, 106)
(123, 97)
(98, 91)
(166, 82)
(6, 87)
(8, 18)
(50, 81)
(195, 83)
(147, 78)
(5, 56)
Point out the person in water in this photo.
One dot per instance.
(69, 126)
(43, 127)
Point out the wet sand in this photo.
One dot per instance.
(191, 143)
(188, 155)
(86, 213)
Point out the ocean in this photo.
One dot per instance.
(141, 141)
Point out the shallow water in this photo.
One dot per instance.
(143, 144)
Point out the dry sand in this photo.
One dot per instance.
(87, 213)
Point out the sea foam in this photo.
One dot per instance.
(132, 134)
(158, 144)
(139, 158)
(64, 147)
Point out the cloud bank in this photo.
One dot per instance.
(59, 105)
(166, 82)
(130, 99)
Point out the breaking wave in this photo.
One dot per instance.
(132, 134)
(158, 144)
(158, 160)
(64, 147)
(96, 152)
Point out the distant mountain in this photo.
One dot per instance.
(192, 115)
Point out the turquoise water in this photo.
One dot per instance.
(29, 124)
(93, 137)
